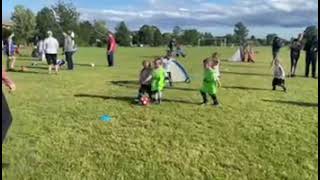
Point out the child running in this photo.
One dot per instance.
(210, 81)
(145, 80)
(278, 75)
(158, 80)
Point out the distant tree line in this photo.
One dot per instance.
(64, 16)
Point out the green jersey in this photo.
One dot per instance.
(158, 79)
(210, 82)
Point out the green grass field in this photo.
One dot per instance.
(256, 133)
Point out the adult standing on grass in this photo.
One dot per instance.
(311, 49)
(10, 52)
(276, 46)
(68, 49)
(6, 114)
(172, 44)
(111, 48)
(295, 49)
(51, 47)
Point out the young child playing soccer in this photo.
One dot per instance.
(278, 75)
(158, 80)
(210, 81)
(145, 80)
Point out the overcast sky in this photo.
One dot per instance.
(287, 18)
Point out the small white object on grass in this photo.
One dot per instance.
(92, 65)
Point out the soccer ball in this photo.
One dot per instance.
(145, 100)
(92, 65)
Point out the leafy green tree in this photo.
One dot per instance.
(230, 39)
(190, 36)
(146, 35)
(45, 21)
(24, 24)
(177, 31)
(240, 32)
(123, 34)
(99, 34)
(269, 38)
(166, 37)
(157, 36)
(85, 32)
(67, 16)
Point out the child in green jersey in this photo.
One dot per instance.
(158, 80)
(210, 81)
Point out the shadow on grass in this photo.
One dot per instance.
(89, 65)
(37, 67)
(25, 72)
(246, 74)
(135, 84)
(305, 104)
(5, 165)
(128, 99)
(245, 88)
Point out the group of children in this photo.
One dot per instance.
(153, 78)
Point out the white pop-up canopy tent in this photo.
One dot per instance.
(236, 56)
(178, 72)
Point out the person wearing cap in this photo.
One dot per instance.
(111, 47)
(51, 47)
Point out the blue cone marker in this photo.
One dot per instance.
(105, 118)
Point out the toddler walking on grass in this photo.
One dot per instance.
(278, 75)
(145, 80)
(210, 81)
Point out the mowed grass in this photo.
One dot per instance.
(256, 134)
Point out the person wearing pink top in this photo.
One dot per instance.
(111, 47)
(6, 114)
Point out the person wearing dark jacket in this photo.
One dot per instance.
(311, 49)
(276, 46)
(294, 55)
(6, 114)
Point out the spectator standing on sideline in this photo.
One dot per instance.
(111, 48)
(276, 46)
(68, 49)
(311, 49)
(51, 47)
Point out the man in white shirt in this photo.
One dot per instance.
(51, 47)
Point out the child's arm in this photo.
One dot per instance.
(218, 83)
(147, 79)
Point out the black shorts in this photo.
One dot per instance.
(278, 82)
(51, 59)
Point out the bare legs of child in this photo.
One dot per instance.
(157, 97)
(205, 99)
(144, 89)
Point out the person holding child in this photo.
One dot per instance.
(210, 81)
